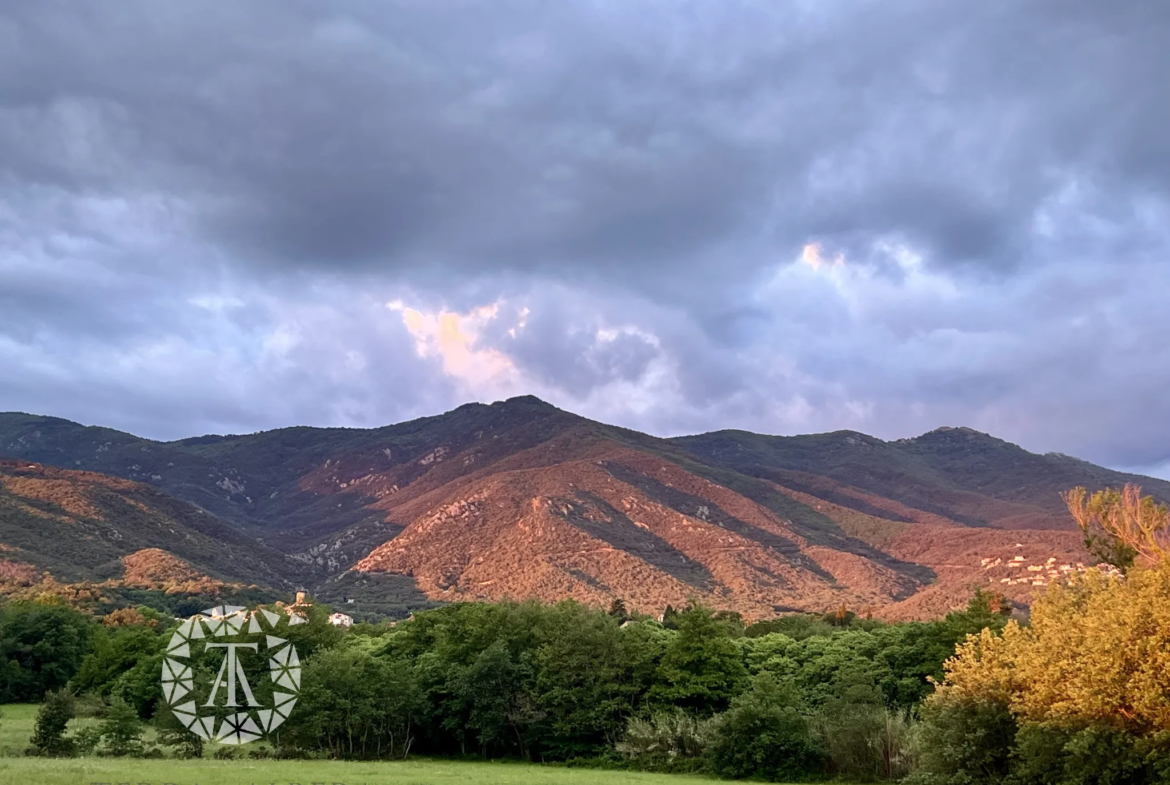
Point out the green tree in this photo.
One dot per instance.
(986, 610)
(41, 648)
(498, 707)
(121, 731)
(670, 618)
(354, 705)
(53, 717)
(126, 662)
(764, 735)
(446, 644)
(317, 634)
(840, 617)
(797, 626)
(702, 668)
(586, 681)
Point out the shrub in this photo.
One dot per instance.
(865, 742)
(90, 704)
(1046, 754)
(666, 735)
(53, 717)
(86, 740)
(173, 734)
(965, 742)
(765, 736)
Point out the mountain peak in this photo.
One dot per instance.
(525, 400)
(952, 432)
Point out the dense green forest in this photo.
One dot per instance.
(798, 696)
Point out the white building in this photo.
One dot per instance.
(341, 619)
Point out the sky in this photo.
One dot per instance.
(786, 216)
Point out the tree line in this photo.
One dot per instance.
(526, 680)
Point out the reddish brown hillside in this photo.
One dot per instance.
(613, 525)
(964, 559)
(154, 568)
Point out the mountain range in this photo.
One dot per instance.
(521, 499)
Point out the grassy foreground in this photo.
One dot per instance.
(83, 771)
(16, 726)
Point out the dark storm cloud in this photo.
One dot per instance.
(203, 207)
(564, 135)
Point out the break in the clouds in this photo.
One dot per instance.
(676, 216)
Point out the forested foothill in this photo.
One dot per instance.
(1077, 692)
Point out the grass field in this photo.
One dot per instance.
(16, 726)
(83, 771)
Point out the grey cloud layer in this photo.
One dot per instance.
(650, 169)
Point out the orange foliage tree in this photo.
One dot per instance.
(1121, 526)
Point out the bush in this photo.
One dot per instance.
(667, 736)
(1049, 755)
(867, 742)
(86, 740)
(90, 704)
(175, 735)
(53, 717)
(965, 742)
(764, 735)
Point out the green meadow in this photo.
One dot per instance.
(83, 771)
(16, 726)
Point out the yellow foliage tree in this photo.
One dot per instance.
(1097, 651)
(984, 668)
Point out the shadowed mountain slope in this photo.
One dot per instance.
(954, 473)
(86, 526)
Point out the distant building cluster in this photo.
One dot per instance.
(1022, 572)
(341, 619)
(301, 608)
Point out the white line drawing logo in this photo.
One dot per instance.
(240, 634)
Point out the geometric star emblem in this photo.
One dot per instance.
(234, 629)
